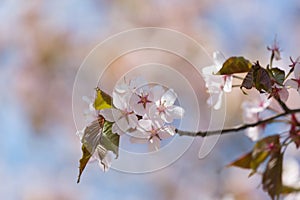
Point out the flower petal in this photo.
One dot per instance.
(157, 92)
(154, 144)
(228, 84)
(167, 132)
(176, 112)
(219, 59)
(283, 94)
(132, 120)
(169, 97)
(291, 84)
(108, 114)
(145, 124)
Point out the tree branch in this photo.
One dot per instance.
(235, 129)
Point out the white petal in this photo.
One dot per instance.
(167, 117)
(254, 133)
(169, 97)
(115, 129)
(209, 70)
(157, 92)
(121, 88)
(153, 112)
(122, 123)
(215, 100)
(167, 132)
(140, 134)
(119, 101)
(297, 71)
(228, 84)
(132, 120)
(291, 84)
(283, 94)
(138, 83)
(154, 144)
(219, 59)
(176, 112)
(108, 114)
(105, 163)
(139, 140)
(145, 124)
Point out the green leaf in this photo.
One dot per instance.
(86, 155)
(289, 189)
(110, 140)
(102, 100)
(272, 176)
(242, 162)
(235, 65)
(98, 139)
(278, 75)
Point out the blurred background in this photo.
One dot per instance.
(42, 45)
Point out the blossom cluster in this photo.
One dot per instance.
(144, 112)
(254, 110)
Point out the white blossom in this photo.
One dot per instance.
(165, 108)
(151, 132)
(251, 111)
(216, 84)
(295, 82)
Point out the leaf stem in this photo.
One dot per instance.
(237, 77)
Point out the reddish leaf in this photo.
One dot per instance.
(261, 78)
(272, 180)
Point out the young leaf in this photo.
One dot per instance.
(110, 140)
(289, 189)
(272, 180)
(235, 65)
(102, 100)
(97, 139)
(261, 78)
(257, 77)
(243, 162)
(278, 75)
(262, 149)
(86, 155)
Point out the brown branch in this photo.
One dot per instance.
(235, 129)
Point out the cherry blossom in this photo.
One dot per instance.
(295, 82)
(122, 114)
(216, 84)
(275, 50)
(144, 97)
(251, 114)
(280, 92)
(165, 108)
(151, 132)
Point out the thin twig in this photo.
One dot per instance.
(237, 77)
(235, 129)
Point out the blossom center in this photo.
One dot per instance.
(161, 108)
(144, 100)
